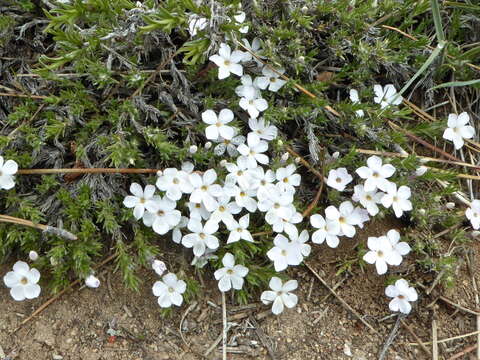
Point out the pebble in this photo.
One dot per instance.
(57, 357)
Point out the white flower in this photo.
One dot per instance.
(287, 178)
(140, 199)
(177, 230)
(229, 145)
(7, 170)
(301, 239)
(239, 230)
(162, 215)
(196, 23)
(362, 216)
(380, 254)
(285, 224)
(175, 183)
(473, 214)
(205, 190)
(255, 47)
(240, 18)
(253, 152)
(421, 170)
(228, 61)
(261, 179)
(187, 167)
(339, 178)
(284, 253)
(369, 200)
(169, 291)
(92, 282)
(193, 149)
(201, 261)
(243, 198)
(397, 199)
(231, 275)
(262, 129)
(201, 237)
(159, 267)
(217, 125)
(33, 255)
(253, 104)
(22, 282)
(402, 294)
(248, 88)
(344, 216)
(223, 213)
(386, 96)
(356, 100)
(400, 248)
(270, 79)
(458, 129)
(375, 174)
(327, 230)
(198, 211)
(208, 145)
(238, 173)
(281, 295)
(274, 202)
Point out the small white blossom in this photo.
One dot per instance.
(356, 100)
(375, 174)
(339, 178)
(240, 18)
(285, 253)
(33, 255)
(92, 282)
(421, 170)
(22, 282)
(253, 151)
(253, 104)
(386, 96)
(162, 215)
(262, 129)
(285, 224)
(228, 61)
(402, 295)
(7, 170)
(344, 216)
(397, 199)
(473, 214)
(196, 23)
(281, 295)
(248, 89)
(261, 179)
(301, 239)
(225, 209)
(400, 248)
(255, 47)
(362, 216)
(287, 178)
(275, 203)
(208, 145)
(217, 124)
(380, 254)
(193, 149)
(229, 145)
(201, 237)
(284, 157)
(239, 230)
(239, 173)
(243, 198)
(270, 79)
(231, 275)
(198, 211)
(159, 267)
(327, 230)
(205, 190)
(175, 183)
(177, 230)
(369, 200)
(169, 290)
(459, 128)
(140, 200)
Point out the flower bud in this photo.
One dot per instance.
(450, 205)
(33, 255)
(159, 173)
(193, 149)
(280, 142)
(422, 211)
(285, 157)
(159, 267)
(437, 198)
(335, 155)
(223, 163)
(297, 160)
(92, 282)
(208, 145)
(421, 170)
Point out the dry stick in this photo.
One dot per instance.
(54, 298)
(316, 199)
(190, 308)
(45, 228)
(224, 332)
(86, 171)
(463, 352)
(262, 337)
(24, 95)
(447, 339)
(409, 329)
(349, 308)
(28, 121)
(305, 163)
(390, 338)
(477, 300)
(284, 77)
(434, 337)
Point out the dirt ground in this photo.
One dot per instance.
(79, 324)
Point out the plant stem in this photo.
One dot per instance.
(86, 171)
(45, 228)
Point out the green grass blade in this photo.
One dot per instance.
(437, 20)
(456, 84)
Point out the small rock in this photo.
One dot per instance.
(347, 350)
(57, 357)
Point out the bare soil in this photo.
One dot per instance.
(77, 325)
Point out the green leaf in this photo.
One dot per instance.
(456, 84)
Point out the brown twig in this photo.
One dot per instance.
(316, 199)
(23, 95)
(409, 329)
(463, 352)
(349, 308)
(86, 171)
(305, 162)
(45, 228)
(447, 339)
(434, 337)
(57, 296)
(262, 337)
